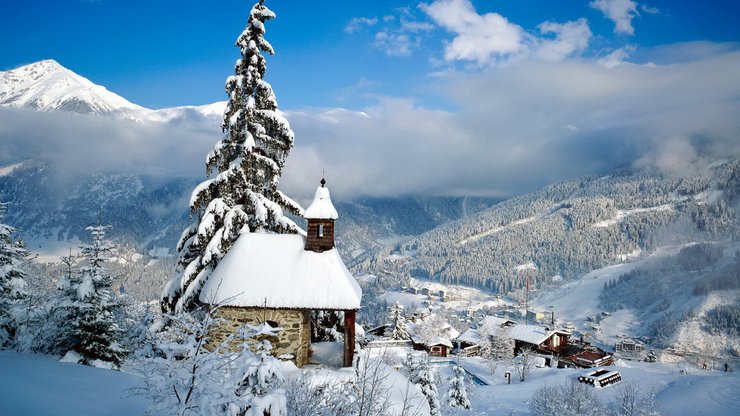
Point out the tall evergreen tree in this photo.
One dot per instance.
(93, 330)
(398, 322)
(243, 195)
(12, 281)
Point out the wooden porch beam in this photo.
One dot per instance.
(349, 337)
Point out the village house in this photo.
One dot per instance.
(585, 356)
(437, 341)
(469, 343)
(280, 279)
(538, 338)
(629, 346)
(439, 347)
(496, 322)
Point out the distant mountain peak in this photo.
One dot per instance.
(47, 85)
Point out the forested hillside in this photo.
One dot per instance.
(49, 205)
(669, 291)
(371, 223)
(569, 228)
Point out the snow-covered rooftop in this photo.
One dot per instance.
(471, 336)
(321, 206)
(532, 334)
(274, 270)
(495, 321)
(440, 341)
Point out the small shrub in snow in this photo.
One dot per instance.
(631, 401)
(308, 397)
(523, 363)
(570, 399)
(457, 395)
(370, 391)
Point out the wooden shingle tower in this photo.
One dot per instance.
(320, 216)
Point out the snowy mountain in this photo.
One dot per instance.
(568, 229)
(48, 86)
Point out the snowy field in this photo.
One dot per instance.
(38, 385)
(34, 385)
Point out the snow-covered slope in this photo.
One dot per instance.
(567, 229)
(48, 86)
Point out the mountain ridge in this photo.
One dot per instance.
(47, 86)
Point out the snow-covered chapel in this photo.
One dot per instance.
(279, 279)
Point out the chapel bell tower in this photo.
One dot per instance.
(320, 215)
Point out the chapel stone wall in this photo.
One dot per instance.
(294, 338)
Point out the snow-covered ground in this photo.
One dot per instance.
(35, 385)
(693, 392)
(38, 385)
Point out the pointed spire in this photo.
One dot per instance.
(321, 207)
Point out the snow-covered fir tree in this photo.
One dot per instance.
(243, 195)
(398, 322)
(457, 395)
(93, 331)
(13, 254)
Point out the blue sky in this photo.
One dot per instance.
(453, 97)
(161, 53)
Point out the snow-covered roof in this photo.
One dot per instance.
(440, 341)
(321, 206)
(532, 334)
(471, 336)
(274, 270)
(495, 321)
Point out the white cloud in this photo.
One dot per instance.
(621, 12)
(616, 57)
(84, 143)
(479, 38)
(514, 129)
(521, 126)
(570, 38)
(491, 38)
(415, 26)
(402, 36)
(396, 44)
(649, 9)
(359, 23)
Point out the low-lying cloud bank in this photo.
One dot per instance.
(513, 129)
(524, 125)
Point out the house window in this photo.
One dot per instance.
(320, 230)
